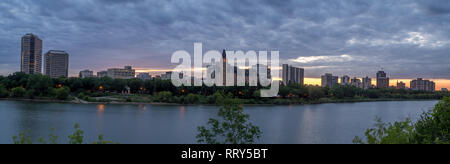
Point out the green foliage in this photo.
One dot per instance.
(432, 128)
(163, 97)
(397, 133)
(62, 93)
(192, 98)
(315, 93)
(23, 138)
(18, 92)
(40, 84)
(232, 128)
(76, 138)
(3, 92)
(284, 91)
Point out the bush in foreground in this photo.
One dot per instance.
(432, 128)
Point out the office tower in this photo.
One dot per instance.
(144, 76)
(121, 73)
(328, 80)
(293, 75)
(366, 83)
(86, 73)
(423, 85)
(382, 80)
(31, 55)
(56, 64)
(345, 80)
(401, 85)
(356, 83)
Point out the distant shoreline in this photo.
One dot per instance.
(328, 101)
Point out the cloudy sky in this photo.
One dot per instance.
(408, 39)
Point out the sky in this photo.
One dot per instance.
(405, 38)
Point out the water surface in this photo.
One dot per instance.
(310, 124)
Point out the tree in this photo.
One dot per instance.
(136, 85)
(62, 93)
(192, 98)
(232, 128)
(284, 91)
(3, 92)
(315, 93)
(432, 128)
(18, 92)
(396, 133)
(40, 84)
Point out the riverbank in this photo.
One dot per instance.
(300, 101)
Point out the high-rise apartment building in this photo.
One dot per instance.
(382, 80)
(366, 83)
(328, 80)
(345, 80)
(56, 64)
(31, 54)
(423, 85)
(293, 75)
(356, 83)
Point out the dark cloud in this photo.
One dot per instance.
(406, 38)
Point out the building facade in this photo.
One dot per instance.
(328, 80)
(144, 76)
(444, 90)
(122, 73)
(102, 74)
(401, 85)
(356, 83)
(31, 54)
(345, 80)
(56, 64)
(293, 75)
(423, 85)
(86, 73)
(366, 83)
(382, 80)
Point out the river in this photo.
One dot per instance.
(136, 124)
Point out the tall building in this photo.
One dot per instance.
(345, 80)
(356, 83)
(122, 73)
(293, 75)
(56, 64)
(31, 54)
(401, 85)
(144, 76)
(328, 80)
(366, 83)
(102, 74)
(167, 76)
(423, 85)
(86, 73)
(382, 80)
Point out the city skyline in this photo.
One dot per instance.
(347, 36)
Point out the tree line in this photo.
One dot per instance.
(21, 85)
